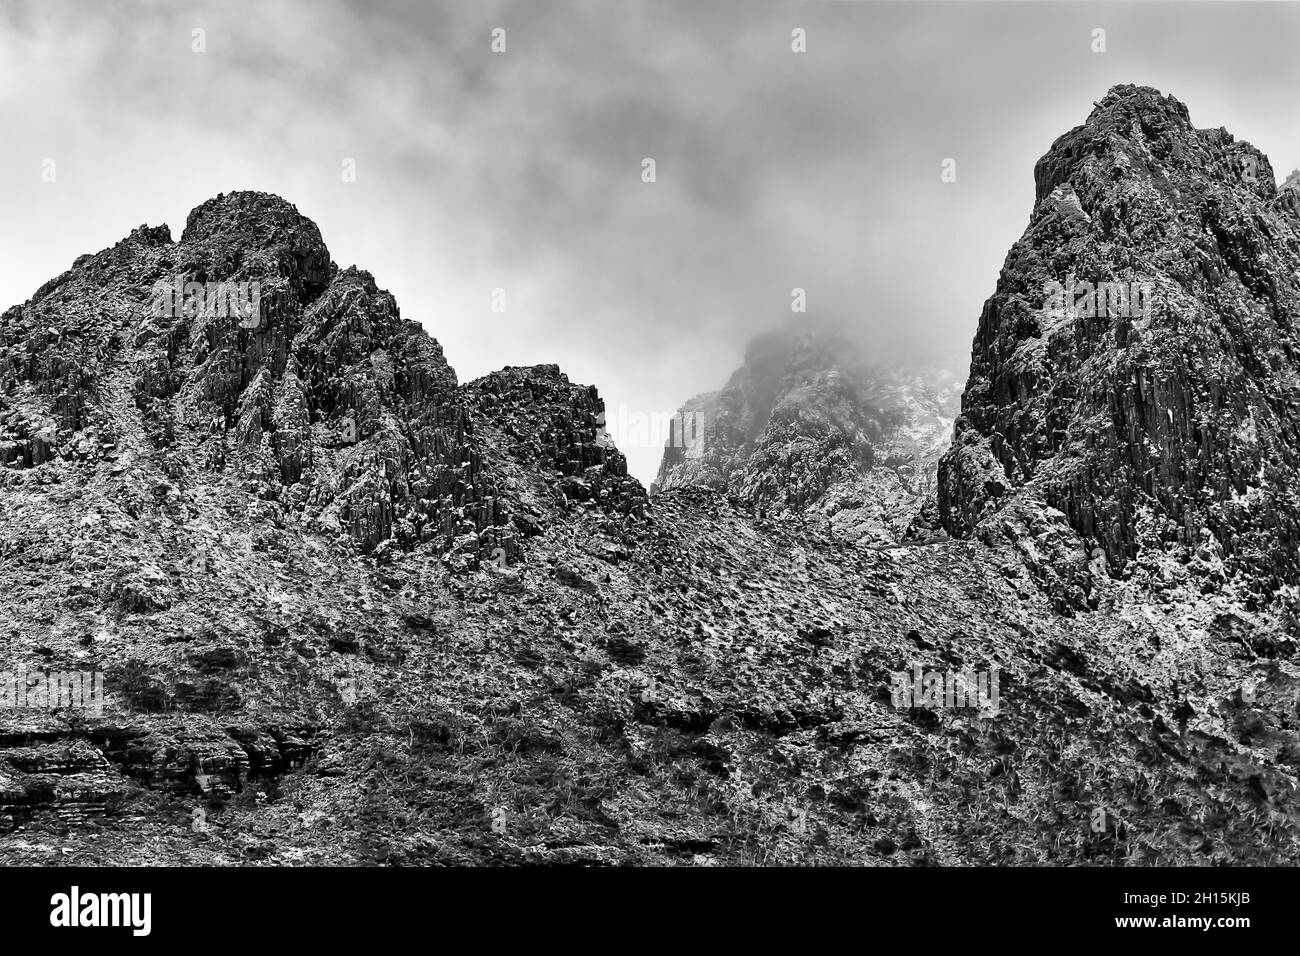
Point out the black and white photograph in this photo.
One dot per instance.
(831, 436)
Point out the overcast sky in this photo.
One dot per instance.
(522, 170)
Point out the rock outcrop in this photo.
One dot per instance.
(242, 352)
(1137, 368)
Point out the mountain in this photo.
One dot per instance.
(348, 610)
(807, 425)
(317, 398)
(1136, 371)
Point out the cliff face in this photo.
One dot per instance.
(807, 425)
(1137, 368)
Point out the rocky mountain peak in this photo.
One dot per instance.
(1136, 369)
(248, 235)
(242, 356)
(1138, 128)
(809, 425)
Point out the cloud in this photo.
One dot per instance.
(522, 170)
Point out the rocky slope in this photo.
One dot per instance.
(807, 425)
(1163, 431)
(158, 440)
(350, 611)
(713, 687)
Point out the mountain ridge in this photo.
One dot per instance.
(351, 610)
